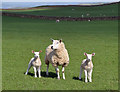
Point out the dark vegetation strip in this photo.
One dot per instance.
(60, 18)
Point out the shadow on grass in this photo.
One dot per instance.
(43, 74)
(51, 74)
(76, 78)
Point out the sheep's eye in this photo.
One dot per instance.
(57, 42)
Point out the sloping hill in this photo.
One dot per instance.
(71, 11)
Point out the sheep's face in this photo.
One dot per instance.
(89, 56)
(36, 54)
(56, 44)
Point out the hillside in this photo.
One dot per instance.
(71, 11)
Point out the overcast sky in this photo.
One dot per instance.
(60, 0)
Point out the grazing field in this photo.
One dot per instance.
(21, 35)
(71, 11)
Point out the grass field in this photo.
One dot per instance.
(21, 35)
(71, 11)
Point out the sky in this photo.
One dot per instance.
(8, 4)
(60, 0)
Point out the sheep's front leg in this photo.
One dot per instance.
(47, 70)
(90, 75)
(35, 71)
(85, 75)
(39, 68)
(58, 76)
(80, 73)
(63, 73)
(56, 70)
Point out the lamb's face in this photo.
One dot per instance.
(89, 56)
(36, 54)
(56, 44)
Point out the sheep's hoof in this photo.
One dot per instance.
(39, 76)
(47, 74)
(25, 73)
(64, 78)
(80, 78)
(90, 81)
(58, 78)
(35, 76)
(86, 81)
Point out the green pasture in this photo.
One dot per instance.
(24, 10)
(71, 11)
(21, 35)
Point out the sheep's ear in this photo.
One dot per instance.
(85, 54)
(60, 40)
(40, 51)
(32, 51)
(93, 54)
(52, 39)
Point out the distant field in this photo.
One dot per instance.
(72, 11)
(21, 35)
(25, 10)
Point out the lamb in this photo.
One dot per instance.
(87, 66)
(36, 63)
(57, 55)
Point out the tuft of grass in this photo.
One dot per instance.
(21, 35)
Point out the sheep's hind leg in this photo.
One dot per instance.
(58, 76)
(29, 66)
(80, 73)
(39, 68)
(63, 72)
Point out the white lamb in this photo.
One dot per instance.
(57, 55)
(87, 66)
(36, 63)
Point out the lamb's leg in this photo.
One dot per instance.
(29, 66)
(63, 72)
(80, 73)
(39, 68)
(47, 69)
(85, 75)
(35, 71)
(90, 75)
(58, 76)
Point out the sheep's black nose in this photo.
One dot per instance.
(88, 59)
(51, 47)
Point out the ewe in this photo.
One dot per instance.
(57, 55)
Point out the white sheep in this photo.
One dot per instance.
(57, 55)
(36, 63)
(57, 20)
(87, 66)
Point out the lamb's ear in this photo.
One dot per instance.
(32, 51)
(93, 54)
(52, 39)
(60, 40)
(85, 54)
(40, 51)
